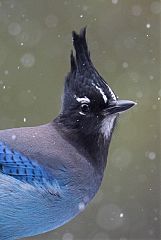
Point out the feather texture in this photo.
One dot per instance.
(15, 164)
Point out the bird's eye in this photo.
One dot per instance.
(84, 108)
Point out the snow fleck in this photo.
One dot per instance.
(4, 87)
(27, 60)
(14, 28)
(155, 219)
(18, 67)
(121, 215)
(148, 25)
(158, 98)
(6, 72)
(151, 155)
(12, 5)
(125, 65)
(13, 137)
(151, 77)
(81, 16)
(155, 7)
(151, 232)
(21, 43)
(114, 1)
(136, 10)
(24, 119)
(67, 236)
(51, 21)
(81, 206)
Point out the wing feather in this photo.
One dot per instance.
(15, 164)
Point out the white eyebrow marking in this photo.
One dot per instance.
(82, 100)
(101, 91)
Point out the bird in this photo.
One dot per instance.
(49, 173)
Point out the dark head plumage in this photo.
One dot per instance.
(90, 107)
(83, 79)
(84, 86)
(82, 60)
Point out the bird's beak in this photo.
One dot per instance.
(119, 106)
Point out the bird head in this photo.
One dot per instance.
(90, 106)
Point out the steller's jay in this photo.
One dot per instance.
(49, 173)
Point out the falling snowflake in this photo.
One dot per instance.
(14, 28)
(27, 60)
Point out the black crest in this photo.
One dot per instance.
(82, 59)
(83, 79)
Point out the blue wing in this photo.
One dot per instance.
(29, 196)
(15, 164)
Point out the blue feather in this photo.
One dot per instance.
(30, 196)
(17, 165)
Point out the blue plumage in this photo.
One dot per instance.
(49, 173)
(15, 164)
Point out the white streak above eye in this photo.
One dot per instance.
(82, 99)
(101, 92)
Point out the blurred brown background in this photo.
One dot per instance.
(124, 40)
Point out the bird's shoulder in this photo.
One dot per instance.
(24, 169)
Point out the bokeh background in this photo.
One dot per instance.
(124, 40)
